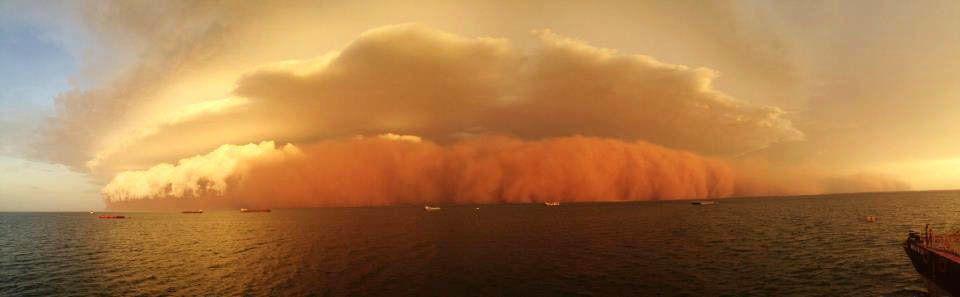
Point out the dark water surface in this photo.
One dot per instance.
(794, 246)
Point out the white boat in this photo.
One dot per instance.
(703, 202)
(430, 208)
(552, 203)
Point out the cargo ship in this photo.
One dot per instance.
(192, 211)
(937, 258)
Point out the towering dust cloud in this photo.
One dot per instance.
(575, 123)
(393, 169)
(195, 176)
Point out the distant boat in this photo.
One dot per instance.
(430, 208)
(192, 211)
(254, 210)
(703, 202)
(552, 203)
(112, 217)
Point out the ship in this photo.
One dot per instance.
(552, 203)
(112, 217)
(936, 257)
(254, 210)
(430, 208)
(192, 211)
(703, 202)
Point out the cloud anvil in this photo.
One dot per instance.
(456, 92)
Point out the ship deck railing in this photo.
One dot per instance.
(948, 243)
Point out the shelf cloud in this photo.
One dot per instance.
(460, 120)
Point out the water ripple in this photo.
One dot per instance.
(795, 246)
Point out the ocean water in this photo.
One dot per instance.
(790, 246)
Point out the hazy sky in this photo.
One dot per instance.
(90, 89)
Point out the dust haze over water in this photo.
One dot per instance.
(208, 106)
(462, 92)
(390, 170)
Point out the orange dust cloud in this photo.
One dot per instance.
(393, 169)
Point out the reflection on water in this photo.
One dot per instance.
(769, 247)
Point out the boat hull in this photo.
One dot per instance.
(937, 267)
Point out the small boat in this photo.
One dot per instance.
(430, 208)
(112, 217)
(703, 202)
(552, 203)
(192, 211)
(254, 210)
